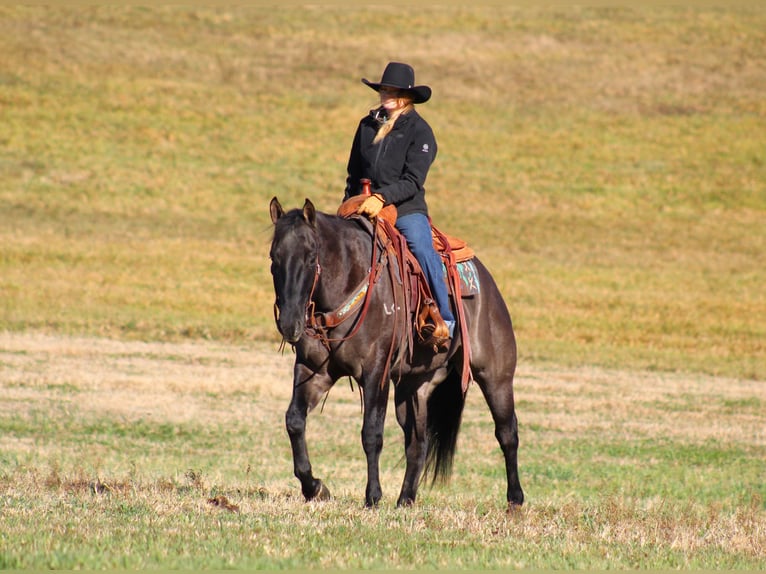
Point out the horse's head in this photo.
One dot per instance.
(294, 266)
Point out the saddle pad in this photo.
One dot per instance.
(469, 278)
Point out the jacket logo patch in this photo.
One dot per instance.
(425, 148)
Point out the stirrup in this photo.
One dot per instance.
(431, 328)
(435, 335)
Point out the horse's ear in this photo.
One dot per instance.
(309, 212)
(275, 208)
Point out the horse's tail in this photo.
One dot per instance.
(445, 411)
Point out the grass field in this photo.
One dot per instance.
(607, 164)
(111, 451)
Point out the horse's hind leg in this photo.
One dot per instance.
(498, 391)
(412, 413)
(308, 389)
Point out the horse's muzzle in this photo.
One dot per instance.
(291, 331)
(291, 336)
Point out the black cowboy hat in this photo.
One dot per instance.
(402, 77)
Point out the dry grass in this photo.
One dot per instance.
(621, 469)
(606, 163)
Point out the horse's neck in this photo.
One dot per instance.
(344, 251)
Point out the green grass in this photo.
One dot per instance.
(621, 470)
(378, 540)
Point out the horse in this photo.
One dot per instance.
(319, 263)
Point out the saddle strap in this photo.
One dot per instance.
(453, 281)
(402, 307)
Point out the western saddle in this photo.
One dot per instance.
(429, 326)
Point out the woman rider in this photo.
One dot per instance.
(394, 148)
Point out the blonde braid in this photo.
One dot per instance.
(386, 127)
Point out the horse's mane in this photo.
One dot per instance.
(330, 221)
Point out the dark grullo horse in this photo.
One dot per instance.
(318, 262)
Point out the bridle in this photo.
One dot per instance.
(310, 303)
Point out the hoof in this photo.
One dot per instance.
(513, 508)
(322, 493)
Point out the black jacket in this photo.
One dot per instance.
(397, 165)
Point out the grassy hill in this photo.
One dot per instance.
(608, 164)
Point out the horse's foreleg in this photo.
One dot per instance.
(375, 404)
(411, 413)
(308, 389)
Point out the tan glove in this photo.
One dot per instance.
(371, 206)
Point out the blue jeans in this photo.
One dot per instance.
(417, 231)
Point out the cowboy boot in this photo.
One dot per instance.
(432, 329)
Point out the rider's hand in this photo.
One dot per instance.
(371, 206)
